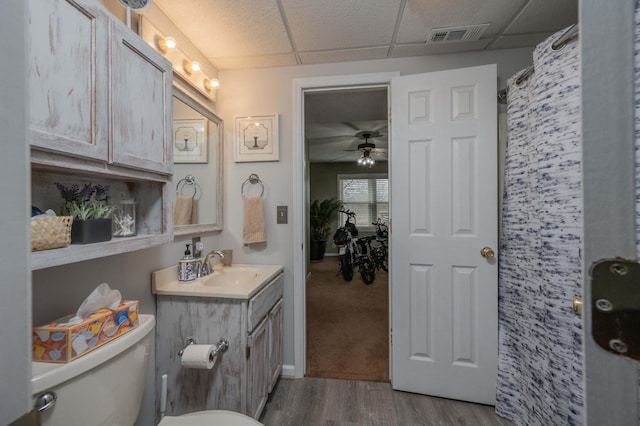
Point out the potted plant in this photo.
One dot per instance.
(320, 215)
(91, 211)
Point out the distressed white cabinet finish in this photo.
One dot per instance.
(257, 373)
(100, 112)
(98, 91)
(243, 376)
(68, 78)
(276, 321)
(141, 104)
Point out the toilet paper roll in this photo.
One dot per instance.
(198, 356)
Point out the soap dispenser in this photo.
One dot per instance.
(187, 266)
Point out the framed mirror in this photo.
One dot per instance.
(197, 170)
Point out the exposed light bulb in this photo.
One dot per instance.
(166, 43)
(211, 84)
(191, 67)
(366, 160)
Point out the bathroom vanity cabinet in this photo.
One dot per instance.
(100, 112)
(243, 376)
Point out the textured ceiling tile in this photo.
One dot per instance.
(242, 62)
(432, 49)
(338, 24)
(420, 16)
(545, 16)
(343, 55)
(525, 40)
(229, 28)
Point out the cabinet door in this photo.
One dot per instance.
(275, 344)
(141, 104)
(68, 81)
(257, 369)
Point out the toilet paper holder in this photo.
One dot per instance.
(221, 346)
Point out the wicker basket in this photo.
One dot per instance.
(49, 232)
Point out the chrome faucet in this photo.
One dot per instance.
(206, 268)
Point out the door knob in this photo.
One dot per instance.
(487, 252)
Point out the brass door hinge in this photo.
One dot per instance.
(615, 306)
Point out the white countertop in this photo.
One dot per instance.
(238, 281)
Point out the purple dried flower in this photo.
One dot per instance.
(102, 192)
(70, 193)
(85, 193)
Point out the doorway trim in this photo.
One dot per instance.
(300, 85)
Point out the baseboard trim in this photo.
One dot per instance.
(288, 372)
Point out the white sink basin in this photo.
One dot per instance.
(239, 281)
(232, 276)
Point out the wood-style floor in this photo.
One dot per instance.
(311, 402)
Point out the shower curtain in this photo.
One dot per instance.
(540, 338)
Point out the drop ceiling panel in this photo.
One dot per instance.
(433, 49)
(545, 16)
(420, 16)
(243, 62)
(339, 24)
(514, 41)
(230, 28)
(343, 55)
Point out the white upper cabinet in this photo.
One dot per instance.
(98, 91)
(141, 104)
(68, 79)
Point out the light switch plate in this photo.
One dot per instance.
(196, 247)
(282, 214)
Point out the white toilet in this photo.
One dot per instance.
(105, 387)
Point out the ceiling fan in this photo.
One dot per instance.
(338, 141)
(367, 148)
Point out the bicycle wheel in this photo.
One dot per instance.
(383, 263)
(346, 266)
(367, 271)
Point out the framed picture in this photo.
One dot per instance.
(256, 138)
(190, 141)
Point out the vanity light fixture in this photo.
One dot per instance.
(191, 67)
(211, 84)
(166, 43)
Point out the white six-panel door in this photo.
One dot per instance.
(444, 211)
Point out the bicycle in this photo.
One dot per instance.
(350, 254)
(379, 253)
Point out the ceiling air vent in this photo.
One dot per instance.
(456, 34)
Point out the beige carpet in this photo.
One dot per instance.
(347, 325)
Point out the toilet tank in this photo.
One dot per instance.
(104, 387)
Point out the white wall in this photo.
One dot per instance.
(269, 91)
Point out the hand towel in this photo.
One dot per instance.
(183, 210)
(254, 229)
(194, 212)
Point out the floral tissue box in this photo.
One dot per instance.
(68, 338)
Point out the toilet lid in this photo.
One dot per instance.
(210, 417)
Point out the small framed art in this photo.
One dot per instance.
(190, 141)
(256, 138)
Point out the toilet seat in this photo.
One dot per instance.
(209, 417)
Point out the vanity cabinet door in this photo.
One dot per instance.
(68, 77)
(141, 104)
(275, 343)
(257, 369)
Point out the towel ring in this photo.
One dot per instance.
(191, 181)
(253, 179)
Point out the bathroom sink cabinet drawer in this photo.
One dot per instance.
(261, 303)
